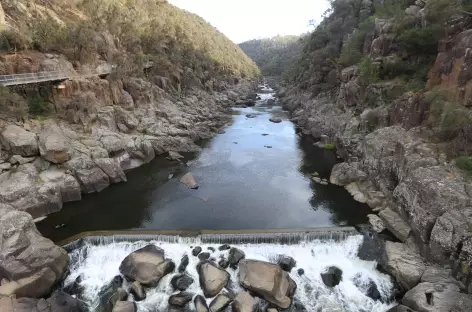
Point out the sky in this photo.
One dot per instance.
(242, 20)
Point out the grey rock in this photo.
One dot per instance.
(111, 168)
(429, 297)
(268, 281)
(196, 251)
(332, 277)
(183, 264)
(395, 224)
(146, 265)
(251, 116)
(220, 303)
(54, 146)
(235, 255)
(287, 263)
(138, 292)
(125, 306)
(200, 304)
(401, 308)
(376, 222)
(180, 299)
(244, 302)
(119, 295)
(406, 266)
(58, 302)
(275, 120)
(223, 263)
(189, 180)
(224, 247)
(19, 160)
(42, 264)
(92, 180)
(204, 256)
(175, 156)
(343, 174)
(181, 282)
(212, 279)
(19, 141)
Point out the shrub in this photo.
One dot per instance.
(368, 70)
(465, 163)
(38, 106)
(420, 41)
(12, 104)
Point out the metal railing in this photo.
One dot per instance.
(28, 78)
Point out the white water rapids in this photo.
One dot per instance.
(98, 264)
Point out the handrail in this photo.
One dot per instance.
(27, 78)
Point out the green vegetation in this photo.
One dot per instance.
(368, 70)
(465, 163)
(274, 56)
(12, 105)
(329, 146)
(37, 106)
(351, 52)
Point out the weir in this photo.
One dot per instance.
(280, 237)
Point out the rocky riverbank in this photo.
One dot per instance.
(45, 163)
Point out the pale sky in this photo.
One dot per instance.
(242, 20)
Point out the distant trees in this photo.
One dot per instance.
(274, 56)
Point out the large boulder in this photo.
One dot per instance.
(30, 263)
(244, 302)
(406, 266)
(181, 282)
(54, 146)
(19, 141)
(180, 299)
(429, 297)
(268, 281)
(235, 256)
(125, 306)
(189, 180)
(287, 263)
(146, 265)
(212, 279)
(112, 169)
(58, 302)
(395, 224)
(200, 304)
(343, 174)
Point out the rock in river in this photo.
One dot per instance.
(332, 277)
(276, 119)
(146, 265)
(212, 279)
(200, 304)
(181, 282)
(180, 299)
(183, 264)
(268, 281)
(235, 255)
(251, 116)
(196, 251)
(220, 303)
(189, 181)
(138, 292)
(286, 263)
(244, 302)
(125, 306)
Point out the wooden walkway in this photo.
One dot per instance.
(30, 78)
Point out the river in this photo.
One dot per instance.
(256, 175)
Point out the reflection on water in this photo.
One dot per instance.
(257, 175)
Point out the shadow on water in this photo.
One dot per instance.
(257, 175)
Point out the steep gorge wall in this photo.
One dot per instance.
(399, 141)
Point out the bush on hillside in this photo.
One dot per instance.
(368, 70)
(465, 163)
(12, 104)
(420, 41)
(38, 106)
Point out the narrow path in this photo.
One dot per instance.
(30, 78)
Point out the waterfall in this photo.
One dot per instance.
(96, 260)
(286, 237)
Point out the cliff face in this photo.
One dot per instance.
(389, 82)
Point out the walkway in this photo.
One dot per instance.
(29, 78)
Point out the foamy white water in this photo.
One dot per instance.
(99, 264)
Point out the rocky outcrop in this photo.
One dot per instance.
(19, 141)
(332, 277)
(146, 266)
(268, 281)
(406, 266)
(30, 263)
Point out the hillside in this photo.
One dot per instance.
(127, 33)
(389, 83)
(274, 56)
